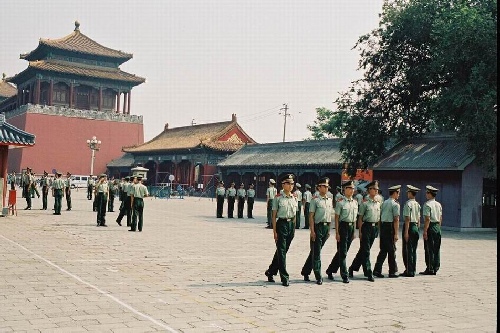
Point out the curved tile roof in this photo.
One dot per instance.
(13, 136)
(6, 89)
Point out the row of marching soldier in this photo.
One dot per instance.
(373, 217)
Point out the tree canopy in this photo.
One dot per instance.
(431, 65)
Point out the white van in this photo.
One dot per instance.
(79, 181)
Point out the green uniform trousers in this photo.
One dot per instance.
(68, 198)
(45, 193)
(432, 247)
(346, 231)
(269, 212)
(230, 206)
(313, 261)
(220, 205)
(58, 201)
(410, 248)
(297, 216)
(101, 206)
(387, 249)
(286, 231)
(250, 202)
(368, 235)
(138, 210)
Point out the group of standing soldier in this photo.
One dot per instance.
(373, 216)
(232, 195)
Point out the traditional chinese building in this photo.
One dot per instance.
(72, 90)
(189, 153)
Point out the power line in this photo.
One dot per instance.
(285, 114)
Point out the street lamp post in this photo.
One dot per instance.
(94, 145)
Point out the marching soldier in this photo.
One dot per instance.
(101, 197)
(140, 192)
(231, 198)
(346, 212)
(368, 224)
(221, 191)
(90, 187)
(58, 193)
(306, 201)
(242, 193)
(411, 214)
(270, 195)
(284, 214)
(433, 217)
(320, 218)
(250, 201)
(389, 227)
(27, 180)
(298, 195)
(127, 206)
(45, 189)
(67, 190)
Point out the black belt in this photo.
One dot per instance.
(285, 219)
(433, 222)
(414, 222)
(323, 223)
(387, 221)
(372, 223)
(347, 222)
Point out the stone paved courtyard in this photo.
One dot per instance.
(190, 272)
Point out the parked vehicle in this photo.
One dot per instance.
(79, 181)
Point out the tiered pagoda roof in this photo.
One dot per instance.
(6, 89)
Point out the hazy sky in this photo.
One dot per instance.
(205, 60)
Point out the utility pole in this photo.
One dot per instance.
(285, 114)
(192, 122)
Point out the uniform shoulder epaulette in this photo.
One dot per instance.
(294, 194)
(340, 199)
(314, 196)
(365, 200)
(278, 195)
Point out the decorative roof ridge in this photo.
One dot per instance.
(230, 126)
(76, 64)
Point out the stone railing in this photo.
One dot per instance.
(67, 112)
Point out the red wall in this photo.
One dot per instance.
(236, 131)
(61, 143)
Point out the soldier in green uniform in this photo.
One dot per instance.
(241, 193)
(433, 217)
(58, 193)
(140, 191)
(271, 193)
(338, 195)
(389, 228)
(113, 188)
(67, 190)
(284, 213)
(411, 215)
(250, 201)
(220, 192)
(346, 212)
(298, 195)
(90, 187)
(127, 206)
(306, 202)
(231, 198)
(320, 218)
(368, 224)
(44, 182)
(27, 180)
(101, 195)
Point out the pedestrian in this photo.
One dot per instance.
(27, 180)
(433, 217)
(12, 180)
(180, 191)
(283, 221)
(101, 197)
(320, 218)
(368, 224)
(250, 201)
(241, 193)
(306, 201)
(346, 212)
(220, 192)
(58, 193)
(411, 215)
(90, 187)
(298, 195)
(45, 189)
(127, 205)
(271, 193)
(67, 190)
(231, 198)
(113, 188)
(139, 193)
(389, 228)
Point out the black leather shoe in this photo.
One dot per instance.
(377, 274)
(305, 228)
(269, 276)
(330, 276)
(306, 278)
(403, 274)
(119, 223)
(132, 230)
(407, 275)
(371, 279)
(319, 282)
(285, 283)
(426, 272)
(269, 227)
(351, 272)
(103, 225)
(345, 280)
(392, 276)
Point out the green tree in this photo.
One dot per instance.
(431, 65)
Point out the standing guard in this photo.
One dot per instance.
(101, 197)
(27, 180)
(140, 191)
(231, 198)
(242, 193)
(45, 189)
(90, 187)
(346, 212)
(127, 207)
(113, 188)
(433, 217)
(67, 190)
(221, 191)
(58, 193)
(298, 195)
(411, 214)
(389, 216)
(250, 201)
(306, 200)
(270, 195)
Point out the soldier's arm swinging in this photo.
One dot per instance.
(311, 226)
(360, 223)
(275, 212)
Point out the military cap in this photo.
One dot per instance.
(324, 181)
(287, 179)
(127, 178)
(59, 173)
(308, 186)
(68, 173)
(251, 185)
(28, 168)
(394, 188)
(373, 184)
(221, 182)
(431, 189)
(349, 184)
(272, 181)
(242, 184)
(139, 177)
(411, 188)
(102, 175)
(297, 185)
(45, 172)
